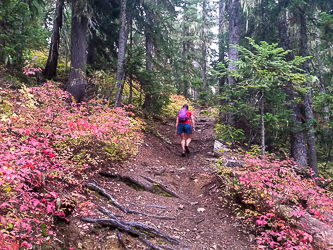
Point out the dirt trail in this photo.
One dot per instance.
(200, 220)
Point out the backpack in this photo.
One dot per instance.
(182, 116)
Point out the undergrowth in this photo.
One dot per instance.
(177, 102)
(47, 147)
(277, 201)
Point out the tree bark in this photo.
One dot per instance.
(125, 21)
(76, 81)
(184, 56)
(185, 84)
(297, 137)
(263, 145)
(320, 75)
(92, 57)
(234, 35)
(222, 10)
(312, 153)
(123, 34)
(149, 56)
(203, 47)
(52, 61)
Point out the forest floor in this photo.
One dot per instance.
(199, 218)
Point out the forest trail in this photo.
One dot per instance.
(200, 220)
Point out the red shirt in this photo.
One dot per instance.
(189, 114)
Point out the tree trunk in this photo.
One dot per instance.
(203, 47)
(234, 34)
(297, 137)
(52, 61)
(312, 153)
(131, 90)
(76, 81)
(149, 56)
(222, 5)
(320, 75)
(92, 57)
(184, 57)
(125, 21)
(123, 34)
(263, 145)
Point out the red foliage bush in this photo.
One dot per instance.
(274, 197)
(46, 148)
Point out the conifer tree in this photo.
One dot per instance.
(52, 61)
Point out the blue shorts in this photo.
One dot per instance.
(184, 128)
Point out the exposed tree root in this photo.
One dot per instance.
(131, 181)
(150, 244)
(115, 224)
(93, 186)
(103, 238)
(120, 239)
(102, 191)
(141, 226)
(143, 231)
(166, 247)
(155, 187)
(161, 186)
(156, 206)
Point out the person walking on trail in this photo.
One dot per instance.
(184, 127)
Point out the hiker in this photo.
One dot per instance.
(184, 127)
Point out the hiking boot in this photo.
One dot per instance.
(183, 153)
(187, 149)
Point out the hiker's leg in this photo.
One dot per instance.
(182, 142)
(188, 139)
(188, 131)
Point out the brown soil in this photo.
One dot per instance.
(201, 221)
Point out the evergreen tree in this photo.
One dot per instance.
(52, 61)
(76, 81)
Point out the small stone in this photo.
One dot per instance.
(251, 237)
(79, 245)
(198, 237)
(210, 153)
(181, 207)
(201, 209)
(213, 247)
